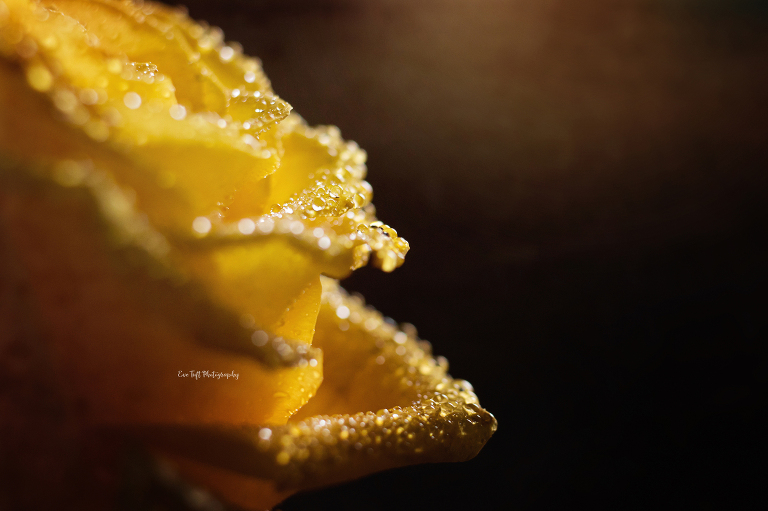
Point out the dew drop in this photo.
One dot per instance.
(265, 225)
(246, 226)
(132, 100)
(259, 338)
(342, 312)
(178, 112)
(318, 204)
(226, 53)
(39, 78)
(201, 225)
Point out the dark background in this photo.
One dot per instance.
(583, 185)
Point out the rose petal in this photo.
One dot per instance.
(425, 416)
(150, 226)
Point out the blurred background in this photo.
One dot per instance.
(583, 185)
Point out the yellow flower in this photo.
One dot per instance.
(180, 231)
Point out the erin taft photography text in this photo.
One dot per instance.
(196, 375)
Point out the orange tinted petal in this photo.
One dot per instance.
(170, 218)
(423, 416)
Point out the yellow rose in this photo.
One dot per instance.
(174, 233)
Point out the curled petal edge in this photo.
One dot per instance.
(439, 418)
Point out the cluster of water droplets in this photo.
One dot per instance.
(348, 242)
(438, 418)
(339, 194)
(236, 95)
(443, 421)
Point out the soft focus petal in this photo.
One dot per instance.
(122, 323)
(423, 415)
(165, 214)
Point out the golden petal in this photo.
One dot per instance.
(140, 80)
(333, 192)
(423, 416)
(123, 322)
(168, 213)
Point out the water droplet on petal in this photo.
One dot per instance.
(259, 338)
(178, 112)
(246, 226)
(132, 100)
(39, 78)
(201, 225)
(226, 53)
